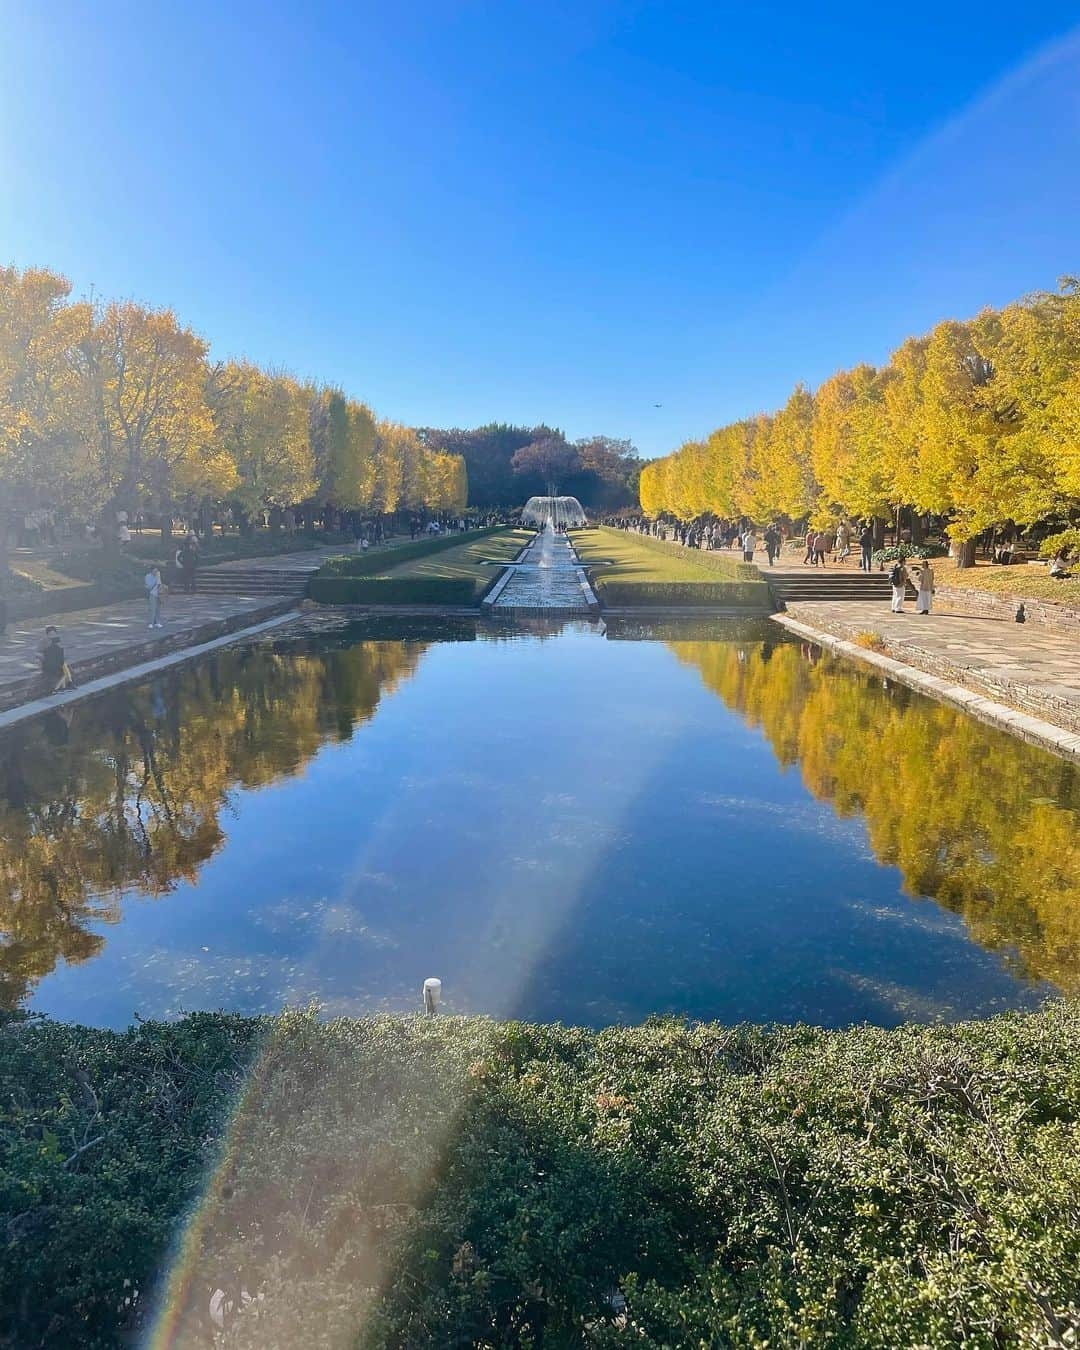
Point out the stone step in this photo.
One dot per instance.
(821, 588)
(797, 587)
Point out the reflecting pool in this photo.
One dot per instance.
(710, 819)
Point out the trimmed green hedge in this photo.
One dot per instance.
(411, 1182)
(700, 557)
(361, 590)
(730, 594)
(381, 560)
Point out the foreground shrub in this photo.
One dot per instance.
(901, 552)
(404, 1183)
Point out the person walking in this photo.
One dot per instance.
(926, 588)
(54, 666)
(749, 543)
(193, 563)
(898, 580)
(772, 543)
(187, 560)
(821, 544)
(152, 582)
(843, 540)
(811, 539)
(866, 543)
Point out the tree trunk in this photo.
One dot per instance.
(965, 554)
(7, 517)
(918, 528)
(108, 530)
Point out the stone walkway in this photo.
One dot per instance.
(1027, 667)
(100, 640)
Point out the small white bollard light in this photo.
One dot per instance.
(432, 995)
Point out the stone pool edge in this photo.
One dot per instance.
(24, 712)
(1034, 730)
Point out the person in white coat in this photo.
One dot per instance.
(926, 588)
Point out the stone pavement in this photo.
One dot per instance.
(1031, 668)
(100, 640)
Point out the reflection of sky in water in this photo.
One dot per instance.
(573, 829)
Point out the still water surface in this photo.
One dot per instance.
(706, 819)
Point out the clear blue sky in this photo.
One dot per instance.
(465, 212)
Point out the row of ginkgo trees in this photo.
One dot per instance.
(977, 423)
(113, 406)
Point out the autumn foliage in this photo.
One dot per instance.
(116, 406)
(976, 422)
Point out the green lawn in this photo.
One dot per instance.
(1025, 580)
(467, 560)
(48, 578)
(633, 559)
(632, 570)
(431, 572)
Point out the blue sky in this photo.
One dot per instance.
(465, 212)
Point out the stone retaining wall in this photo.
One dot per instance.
(1061, 712)
(1037, 731)
(91, 667)
(990, 605)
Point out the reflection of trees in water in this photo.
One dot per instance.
(127, 793)
(980, 822)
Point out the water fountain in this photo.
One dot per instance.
(546, 578)
(556, 511)
(547, 544)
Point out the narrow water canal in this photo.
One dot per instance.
(595, 825)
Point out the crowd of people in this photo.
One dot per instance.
(820, 544)
(837, 543)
